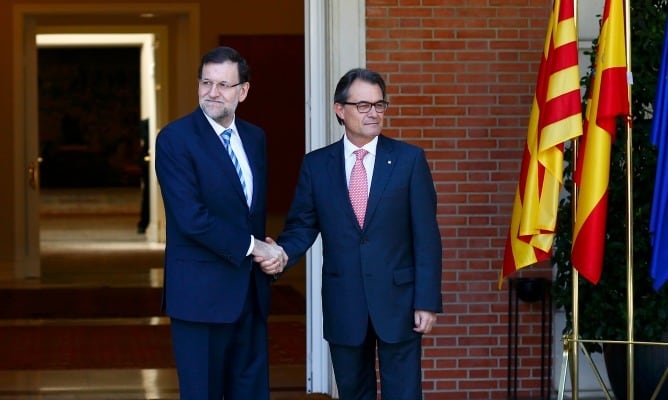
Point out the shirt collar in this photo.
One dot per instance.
(218, 128)
(349, 147)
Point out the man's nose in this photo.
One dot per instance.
(216, 90)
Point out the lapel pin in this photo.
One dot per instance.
(389, 162)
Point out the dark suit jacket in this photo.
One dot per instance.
(384, 271)
(209, 224)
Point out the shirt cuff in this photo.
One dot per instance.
(251, 247)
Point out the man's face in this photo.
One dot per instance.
(361, 128)
(216, 100)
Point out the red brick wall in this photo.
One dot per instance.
(461, 75)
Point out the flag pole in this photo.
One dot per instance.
(630, 362)
(573, 342)
(575, 275)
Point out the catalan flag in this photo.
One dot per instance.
(609, 100)
(556, 117)
(658, 225)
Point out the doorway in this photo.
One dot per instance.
(151, 40)
(96, 97)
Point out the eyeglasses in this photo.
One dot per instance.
(365, 106)
(208, 85)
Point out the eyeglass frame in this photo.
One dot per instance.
(210, 85)
(375, 105)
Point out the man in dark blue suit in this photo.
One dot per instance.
(212, 170)
(381, 273)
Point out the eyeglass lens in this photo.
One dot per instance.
(210, 85)
(364, 107)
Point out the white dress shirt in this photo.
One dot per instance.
(350, 157)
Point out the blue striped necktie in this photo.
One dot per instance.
(227, 133)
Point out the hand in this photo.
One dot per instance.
(283, 258)
(424, 321)
(270, 256)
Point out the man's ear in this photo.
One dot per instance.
(339, 110)
(245, 87)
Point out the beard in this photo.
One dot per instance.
(217, 111)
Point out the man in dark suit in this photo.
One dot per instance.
(212, 171)
(381, 276)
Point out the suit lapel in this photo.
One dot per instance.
(214, 146)
(338, 190)
(382, 170)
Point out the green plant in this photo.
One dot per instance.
(603, 306)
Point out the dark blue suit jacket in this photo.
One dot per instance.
(209, 224)
(387, 269)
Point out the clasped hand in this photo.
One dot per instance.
(270, 256)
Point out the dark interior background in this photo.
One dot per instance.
(89, 116)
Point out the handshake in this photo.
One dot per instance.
(270, 256)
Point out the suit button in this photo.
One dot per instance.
(363, 241)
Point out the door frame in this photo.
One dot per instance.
(31, 19)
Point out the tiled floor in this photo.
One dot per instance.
(74, 243)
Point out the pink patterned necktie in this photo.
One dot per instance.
(358, 187)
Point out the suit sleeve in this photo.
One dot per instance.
(301, 226)
(427, 246)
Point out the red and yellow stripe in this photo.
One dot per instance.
(555, 118)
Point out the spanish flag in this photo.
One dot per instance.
(609, 100)
(556, 117)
